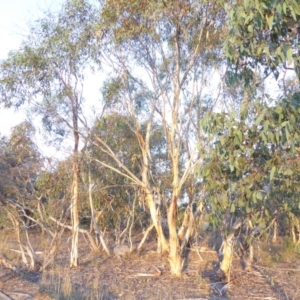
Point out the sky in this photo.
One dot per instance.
(15, 16)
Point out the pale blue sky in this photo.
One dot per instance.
(15, 16)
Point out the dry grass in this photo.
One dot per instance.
(101, 277)
(58, 285)
(7, 242)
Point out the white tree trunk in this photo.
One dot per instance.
(74, 214)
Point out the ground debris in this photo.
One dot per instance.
(121, 250)
(146, 275)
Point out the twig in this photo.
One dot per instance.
(156, 274)
(18, 251)
(147, 274)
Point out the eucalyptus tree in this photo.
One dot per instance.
(251, 175)
(20, 166)
(47, 72)
(157, 53)
(248, 147)
(20, 163)
(264, 39)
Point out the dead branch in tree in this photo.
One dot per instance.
(90, 237)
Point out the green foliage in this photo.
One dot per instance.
(54, 184)
(20, 164)
(252, 168)
(264, 33)
(112, 90)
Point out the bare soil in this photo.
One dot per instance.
(146, 275)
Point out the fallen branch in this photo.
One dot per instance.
(28, 296)
(3, 296)
(147, 275)
(18, 251)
